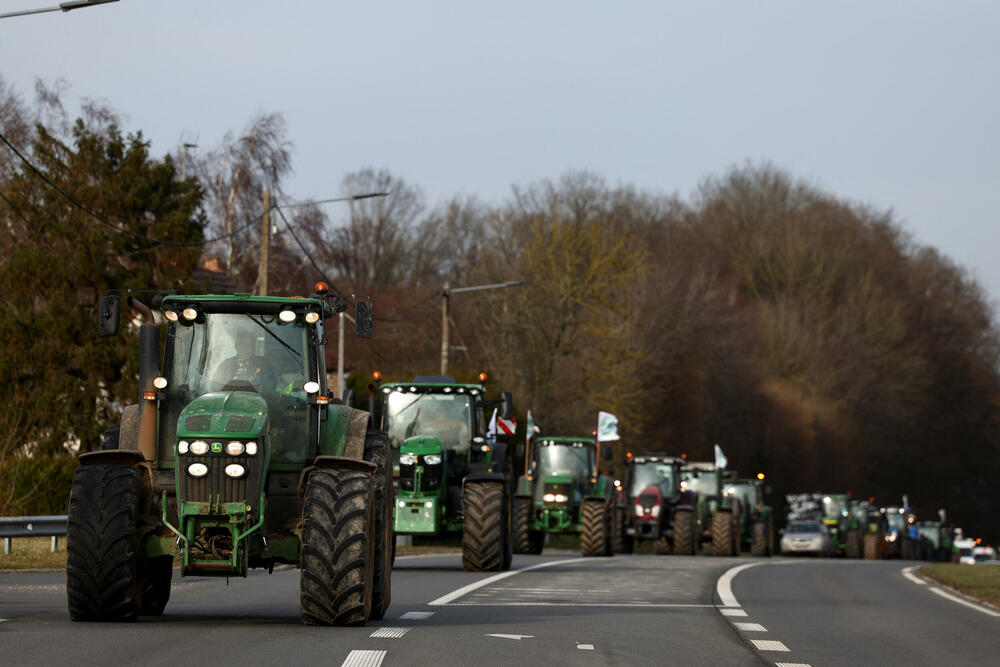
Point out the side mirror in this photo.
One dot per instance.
(108, 315)
(506, 405)
(363, 326)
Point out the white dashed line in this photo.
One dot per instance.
(364, 659)
(585, 647)
(970, 605)
(391, 633)
(733, 612)
(908, 573)
(769, 645)
(792, 664)
(518, 637)
(750, 627)
(416, 615)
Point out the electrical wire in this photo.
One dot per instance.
(295, 236)
(122, 230)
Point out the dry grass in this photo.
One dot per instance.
(33, 553)
(978, 581)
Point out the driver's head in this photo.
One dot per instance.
(244, 344)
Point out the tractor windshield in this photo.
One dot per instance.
(242, 352)
(896, 519)
(575, 460)
(444, 416)
(702, 481)
(834, 507)
(655, 474)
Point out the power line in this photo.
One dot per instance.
(304, 251)
(122, 230)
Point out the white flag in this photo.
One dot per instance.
(491, 430)
(720, 458)
(607, 427)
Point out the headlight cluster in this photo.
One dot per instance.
(555, 498)
(410, 459)
(288, 316)
(232, 448)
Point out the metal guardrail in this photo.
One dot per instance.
(32, 526)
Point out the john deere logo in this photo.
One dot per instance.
(216, 447)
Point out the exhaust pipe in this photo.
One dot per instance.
(149, 367)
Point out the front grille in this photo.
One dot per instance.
(430, 478)
(217, 485)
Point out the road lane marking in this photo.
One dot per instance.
(792, 664)
(769, 645)
(464, 590)
(391, 633)
(364, 659)
(750, 627)
(724, 585)
(647, 605)
(733, 612)
(585, 647)
(970, 605)
(416, 615)
(908, 573)
(517, 637)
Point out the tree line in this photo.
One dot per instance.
(808, 335)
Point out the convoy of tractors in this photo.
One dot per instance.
(238, 455)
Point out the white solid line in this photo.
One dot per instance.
(724, 585)
(464, 590)
(416, 615)
(647, 605)
(792, 664)
(733, 612)
(970, 605)
(517, 637)
(769, 645)
(750, 627)
(908, 573)
(364, 659)
(391, 633)
(585, 647)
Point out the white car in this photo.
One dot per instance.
(806, 537)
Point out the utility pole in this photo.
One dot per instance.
(265, 241)
(446, 311)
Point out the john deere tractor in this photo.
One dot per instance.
(454, 477)
(561, 492)
(656, 508)
(721, 519)
(235, 457)
(757, 535)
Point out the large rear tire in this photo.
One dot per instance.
(335, 587)
(483, 526)
(102, 565)
(526, 541)
(624, 543)
(594, 531)
(871, 546)
(722, 534)
(377, 452)
(852, 548)
(684, 532)
(758, 546)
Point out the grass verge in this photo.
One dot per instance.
(978, 581)
(28, 553)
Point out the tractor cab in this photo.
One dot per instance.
(563, 467)
(652, 482)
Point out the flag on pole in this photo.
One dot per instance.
(607, 427)
(491, 430)
(506, 426)
(531, 430)
(720, 458)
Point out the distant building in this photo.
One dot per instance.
(213, 278)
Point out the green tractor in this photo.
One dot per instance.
(562, 492)
(656, 508)
(874, 528)
(235, 457)
(721, 516)
(846, 527)
(454, 477)
(757, 520)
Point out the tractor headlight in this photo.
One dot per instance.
(560, 498)
(640, 510)
(251, 448)
(160, 382)
(287, 316)
(182, 447)
(407, 459)
(235, 448)
(402, 503)
(235, 470)
(190, 314)
(197, 469)
(429, 504)
(312, 317)
(432, 459)
(549, 497)
(171, 315)
(656, 510)
(199, 447)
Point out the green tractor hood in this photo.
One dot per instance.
(421, 445)
(235, 414)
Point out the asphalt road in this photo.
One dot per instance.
(556, 609)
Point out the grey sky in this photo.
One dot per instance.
(894, 104)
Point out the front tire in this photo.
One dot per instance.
(335, 587)
(483, 541)
(594, 532)
(377, 452)
(684, 530)
(102, 566)
(759, 544)
(526, 541)
(722, 534)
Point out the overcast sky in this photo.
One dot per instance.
(892, 104)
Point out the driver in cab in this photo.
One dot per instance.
(245, 367)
